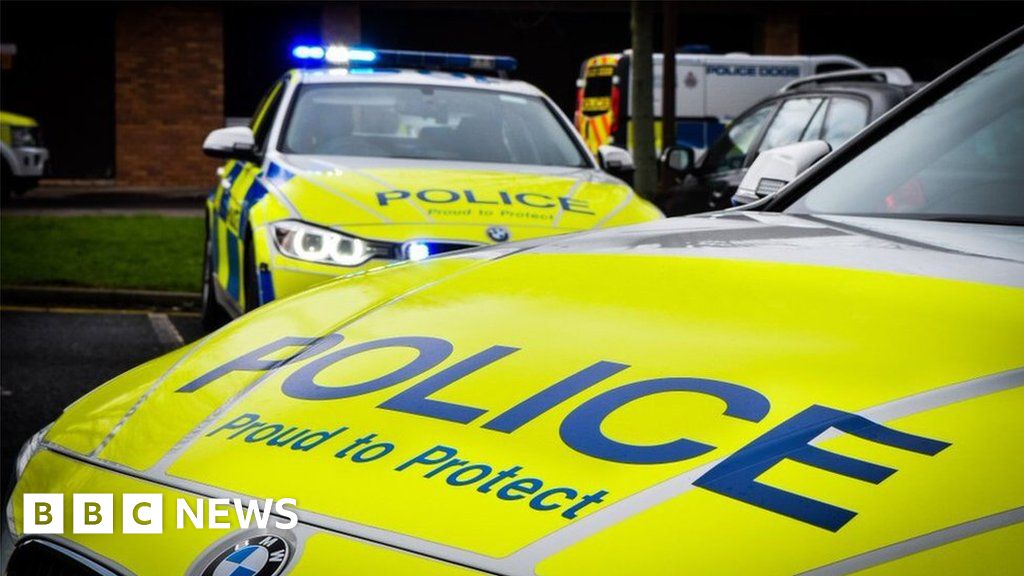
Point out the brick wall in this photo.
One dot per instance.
(169, 66)
(781, 35)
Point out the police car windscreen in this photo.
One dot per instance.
(957, 160)
(426, 122)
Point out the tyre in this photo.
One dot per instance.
(213, 315)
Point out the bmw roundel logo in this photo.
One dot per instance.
(261, 555)
(498, 233)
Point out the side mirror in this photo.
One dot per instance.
(616, 161)
(678, 159)
(777, 167)
(236, 142)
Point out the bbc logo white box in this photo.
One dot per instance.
(43, 513)
(142, 513)
(92, 514)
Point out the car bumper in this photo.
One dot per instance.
(288, 276)
(29, 162)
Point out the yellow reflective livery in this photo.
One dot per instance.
(652, 399)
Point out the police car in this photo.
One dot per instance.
(382, 156)
(22, 152)
(848, 401)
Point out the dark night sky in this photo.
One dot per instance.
(64, 67)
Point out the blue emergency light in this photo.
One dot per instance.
(337, 55)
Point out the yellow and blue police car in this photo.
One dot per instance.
(383, 156)
(22, 155)
(827, 382)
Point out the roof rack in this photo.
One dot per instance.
(897, 76)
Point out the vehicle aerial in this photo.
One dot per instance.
(24, 157)
(583, 404)
(383, 156)
(831, 107)
(711, 89)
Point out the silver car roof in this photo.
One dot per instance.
(415, 77)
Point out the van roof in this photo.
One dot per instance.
(820, 58)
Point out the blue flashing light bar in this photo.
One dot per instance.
(303, 52)
(353, 57)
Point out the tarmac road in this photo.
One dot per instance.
(51, 357)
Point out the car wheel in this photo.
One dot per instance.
(213, 315)
(250, 276)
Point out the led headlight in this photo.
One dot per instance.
(23, 136)
(324, 246)
(28, 450)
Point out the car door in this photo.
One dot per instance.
(724, 163)
(237, 177)
(790, 123)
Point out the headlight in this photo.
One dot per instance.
(316, 244)
(28, 450)
(23, 136)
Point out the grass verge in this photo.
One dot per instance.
(128, 252)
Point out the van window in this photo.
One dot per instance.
(845, 118)
(598, 87)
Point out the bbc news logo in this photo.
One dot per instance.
(144, 513)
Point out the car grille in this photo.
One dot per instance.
(44, 558)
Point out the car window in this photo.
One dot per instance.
(845, 118)
(427, 122)
(813, 130)
(959, 159)
(789, 123)
(729, 152)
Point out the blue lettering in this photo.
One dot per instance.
(526, 486)
(478, 472)
(428, 457)
(521, 197)
(242, 421)
(581, 429)
(448, 196)
(415, 400)
(573, 205)
(471, 198)
(736, 476)
(431, 352)
(537, 503)
(384, 198)
(254, 361)
(553, 395)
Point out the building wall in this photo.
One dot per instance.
(169, 92)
